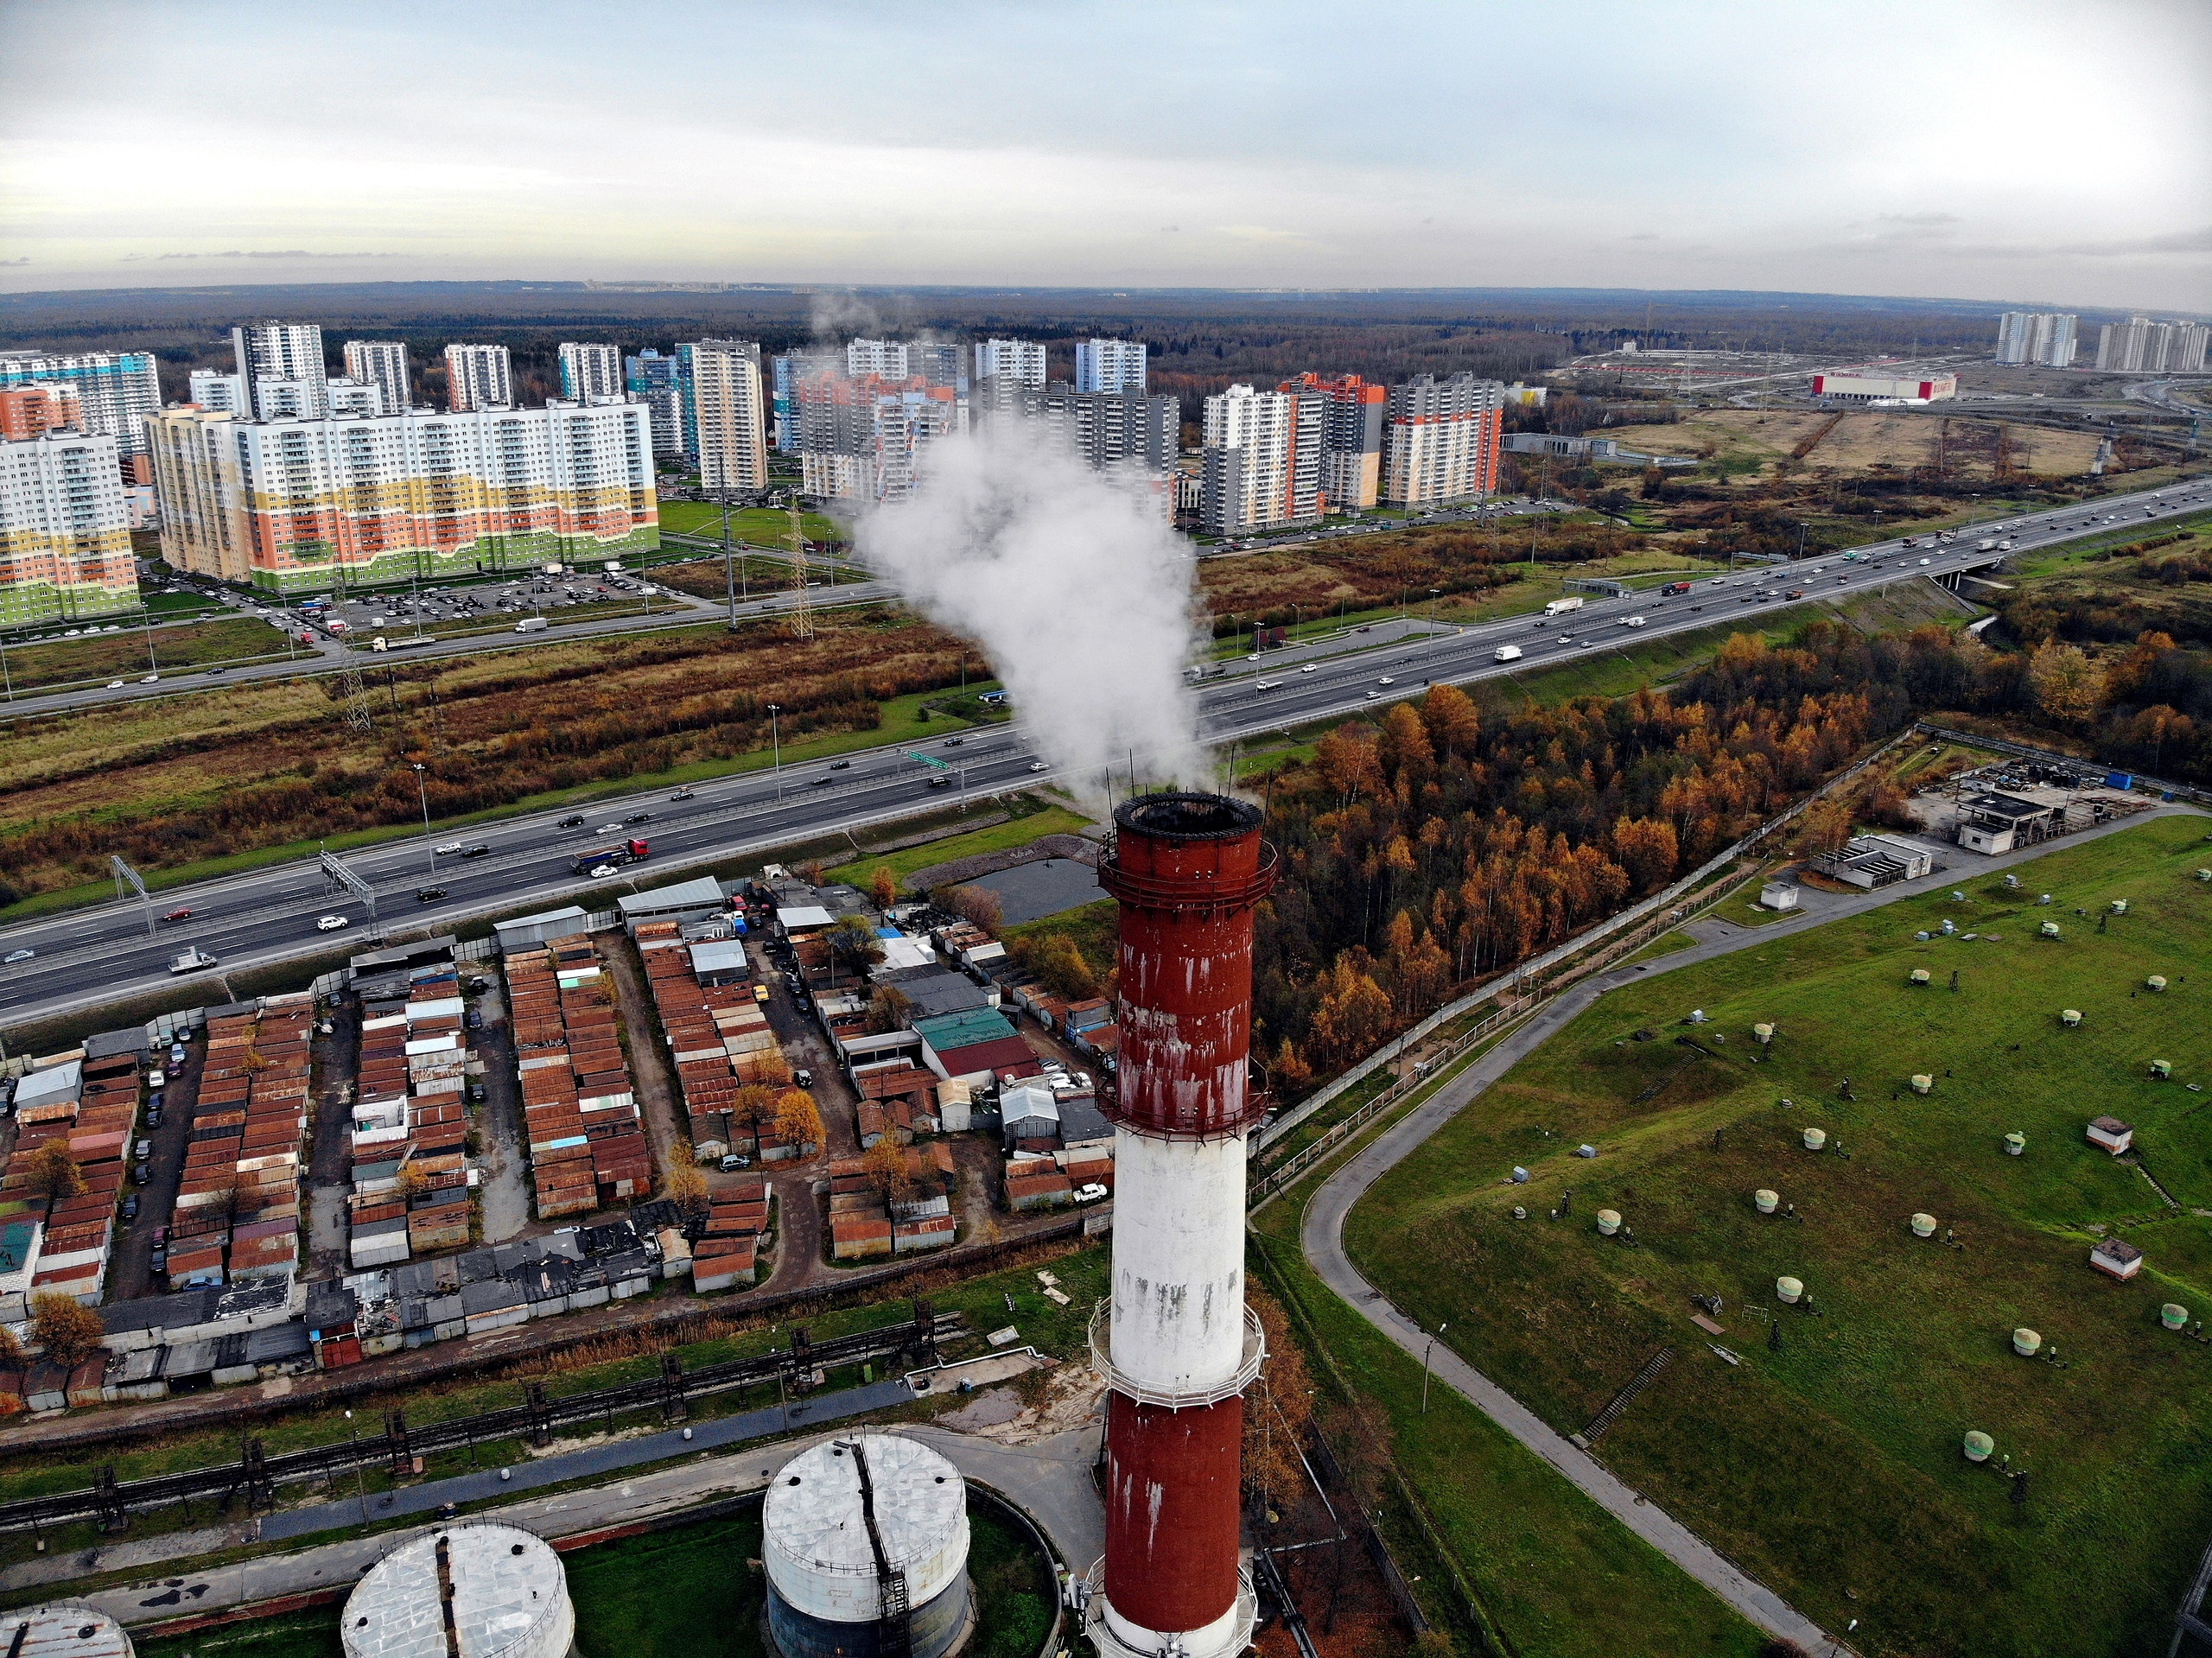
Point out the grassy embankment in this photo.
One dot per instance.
(97, 659)
(1831, 1468)
(1000, 837)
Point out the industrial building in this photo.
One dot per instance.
(865, 1541)
(1872, 861)
(1850, 387)
(475, 1591)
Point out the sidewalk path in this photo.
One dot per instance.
(1322, 1239)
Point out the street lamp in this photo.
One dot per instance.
(1425, 1352)
(774, 708)
(424, 794)
(353, 1438)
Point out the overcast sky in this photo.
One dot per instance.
(1996, 149)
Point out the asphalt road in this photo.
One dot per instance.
(88, 956)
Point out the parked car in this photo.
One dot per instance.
(177, 1053)
(155, 1101)
(476, 1092)
(142, 1150)
(158, 1262)
(804, 1078)
(734, 1162)
(142, 1174)
(1090, 1193)
(153, 1116)
(473, 1018)
(131, 1209)
(157, 1077)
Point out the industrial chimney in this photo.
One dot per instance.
(1174, 1341)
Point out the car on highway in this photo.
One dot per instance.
(115, 684)
(954, 742)
(1632, 621)
(1372, 696)
(1039, 765)
(1386, 680)
(1564, 640)
(181, 913)
(150, 679)
(476, 852)
(447, 849)
(601, 871)
(638, 817)
(1923, 561)
(684, 794)
(15, 955)
(330, 923)
(609, 829)
(573, 820)
(822, 782)
(211, 672)
(841, 766)
(1310, 668)
(428, 894)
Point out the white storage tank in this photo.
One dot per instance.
(63, 1629)
(826, 1561)
(503, 1587)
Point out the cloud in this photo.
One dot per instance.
(25, 260)
(1643, 236)
(1922, 220)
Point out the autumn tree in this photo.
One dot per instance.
(2068, 687)
(887, 1008)
(884, 1164)
(70, 1333)
(978, 906)
(1277, 1412)
(53, 1172)
(11, 1351)
(798, 1120)
(1825, 825)
(1056, 960)
(883, 886)
(408, 1185)
(1647, 849)
(853, 943)
(683, 1182)
(1454, 727)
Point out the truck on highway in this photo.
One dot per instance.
(1561, 607)
(530, 624)
(621, 852)
(191, 960)
(1508, 653)
(1267, 685)
(1988, 544)
(1675, 587)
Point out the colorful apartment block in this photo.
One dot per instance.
(305, 506)
(65, 529)
(115, 391)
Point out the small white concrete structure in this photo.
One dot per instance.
(2112, 1134)
(2025, 1342)
(1779, 895)
(2116, 1259)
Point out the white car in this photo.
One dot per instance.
(1039, 765)
(601, 871)
(1090, 1192)
(1632, 621)
(1565, 640)
(1372, 695)
(115, 684)
(1310, 668)
(150, 679)
(609, 829)
(1386, 680)
(449, 847)
(1255, 656)
(330, 923)
(15, 955)
(1923, 561)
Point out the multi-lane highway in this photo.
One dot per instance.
(84, 957)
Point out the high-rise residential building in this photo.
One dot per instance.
(1108, 430)
(42, 407)
(213, 389)
(286, 351)
(867, 438)
(733, 435)
(2040, 337)
(479, 376)
(65, 529)
(588, 371)
(304, 505)
(382, 364)
(297, 399)
(354, 398)
(653, 379)
(1109, 365)
(788, 371)
(2139, 345)
(1262, 464)
(1020, 362)
(886, 359)
(1351, 441)
(940, 362)
(115, 391)
(1439, 440)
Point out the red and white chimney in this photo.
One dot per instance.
(1175, 1342)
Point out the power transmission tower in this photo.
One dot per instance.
(126, 876)
(802, 606)
(356, 700)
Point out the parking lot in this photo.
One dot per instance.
(153, 1180)
(398, 617)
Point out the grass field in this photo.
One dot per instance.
(1095, 927)
(762, 526)
(1831, 1469)
(123, 655)
(1855, 443)
(1000, 837)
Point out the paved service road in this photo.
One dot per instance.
(1321, 1238)
(92, 956)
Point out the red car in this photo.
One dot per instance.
(178, 915)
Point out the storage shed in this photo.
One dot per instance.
(2112, 1134)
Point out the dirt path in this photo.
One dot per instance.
(658, 1103)
(498, 1123)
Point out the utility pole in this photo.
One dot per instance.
(424, 794)
(774, 738)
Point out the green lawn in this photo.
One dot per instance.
(1000, 837)
(762, 526)
(102, 657)
(1095, 927)
(1831, 1469)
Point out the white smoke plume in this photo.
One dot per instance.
(1071, 582)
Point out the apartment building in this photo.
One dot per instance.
(305, 506)
(225, 393)
(940, 362)
(1109, 429)
(1352, 439)
(1109, 365)
(1262, 464)
(33, 410)
(787, 372)
(1441, 439)
(288, 354)
(867, 438)
(2139, 345)
(656, 382)
(886, 359)
(116, 392)
(588, 371)
(732, 441)
(1020, 362)
(2045, 338)
(478, 376)
(382, 364)
(352, 398)
(65, 529)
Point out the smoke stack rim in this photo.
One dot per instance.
(1181, 814)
